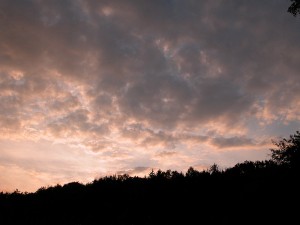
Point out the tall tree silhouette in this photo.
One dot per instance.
(288, 151)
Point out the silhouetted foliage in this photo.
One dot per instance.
(214, 169)
(192, 173)
(288, 151)
(260, 192)
(294, 8)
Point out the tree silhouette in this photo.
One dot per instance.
(260, 192)
(214, 169)
(191, 172)
(288, 151)
(294, 7)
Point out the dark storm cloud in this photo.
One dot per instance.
(96, 66)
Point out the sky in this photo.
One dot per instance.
(92, 88)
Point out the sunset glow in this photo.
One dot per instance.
(92, 88)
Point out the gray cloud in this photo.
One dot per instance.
(222, 142)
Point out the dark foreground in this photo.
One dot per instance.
(249, 193)
(262, 192)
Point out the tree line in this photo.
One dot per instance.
(260, 192)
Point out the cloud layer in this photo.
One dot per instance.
(147, 84)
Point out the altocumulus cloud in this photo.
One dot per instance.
(141, 84)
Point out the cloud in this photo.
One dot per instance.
(166, 154)
(137, 171)
(163, 80)
(222, 142)
(128, 79)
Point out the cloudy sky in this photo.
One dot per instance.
(90, 88)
